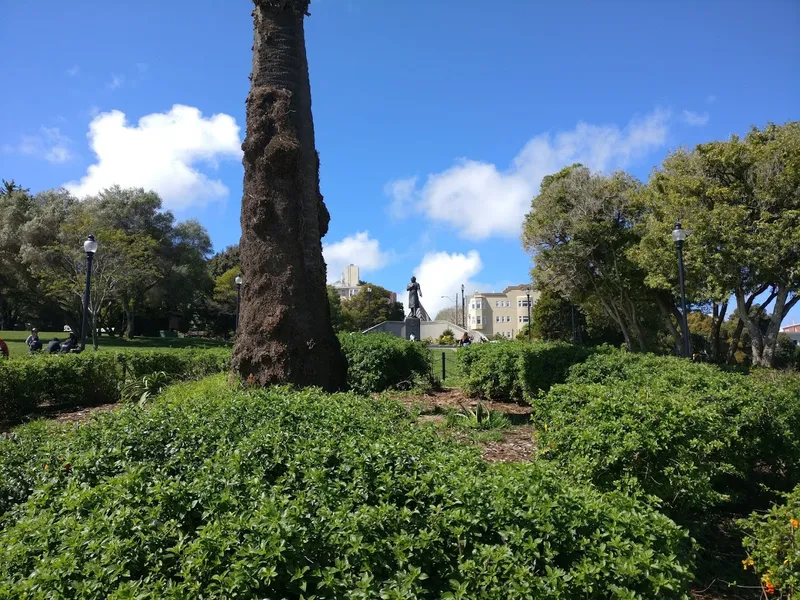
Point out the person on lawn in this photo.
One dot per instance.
(33, 342)
(3, 348)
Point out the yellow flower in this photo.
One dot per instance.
(45, 467)
(794, 523)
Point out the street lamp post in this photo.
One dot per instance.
(679, 235)
(528, 294)
(90, 247)
(238, 281)
(455, 317)
(463, 308)
(369, 306)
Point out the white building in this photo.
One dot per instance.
(348, 286)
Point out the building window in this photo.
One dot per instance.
(479, 319)
(523, 318)
(522, 303)
(497, 319)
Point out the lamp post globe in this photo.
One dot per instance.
(238, 280)
(90, 247)
(679, 235)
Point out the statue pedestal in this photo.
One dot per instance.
(411, 327)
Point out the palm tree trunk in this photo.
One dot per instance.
(285, 333)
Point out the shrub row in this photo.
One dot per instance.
(93, 378)
(515, 370)
(696, 437)
(275, 493)
(379, 361)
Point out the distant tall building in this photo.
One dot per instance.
(351, 276)
(504, 313)
(348, 286)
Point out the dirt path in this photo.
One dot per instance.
(65, 415)
(516, 444)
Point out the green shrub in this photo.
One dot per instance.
(379, 361)
(94, 378)
(772, 542)
(479, 417)
(515, 370)
(62, 380)
(695, 436)
(275, 493)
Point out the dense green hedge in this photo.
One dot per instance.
(297, 494)
(379, 361)
(515, 370)
(93, 378)
(696, 437)
(773, 546)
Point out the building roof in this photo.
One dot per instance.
(510, 288)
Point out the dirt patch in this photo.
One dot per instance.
(516, 444)
(64, 415)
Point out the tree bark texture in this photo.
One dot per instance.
(285, 333)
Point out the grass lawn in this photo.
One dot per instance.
(450, 378)
(17, 347)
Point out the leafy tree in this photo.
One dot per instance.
(285, 325)
(224, 261)
(335, 304)
(447, 314)
(580, 231)
(365, 309)
(552, 318)
(740, 199)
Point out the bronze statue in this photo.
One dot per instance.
(414, 294)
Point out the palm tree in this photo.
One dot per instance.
(285, 333)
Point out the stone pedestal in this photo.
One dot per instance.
(411, 327)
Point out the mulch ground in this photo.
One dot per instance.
(64, 415)
(517, 444)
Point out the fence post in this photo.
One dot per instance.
(444, 369)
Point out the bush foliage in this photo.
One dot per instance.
(696, 437)
(94, 378)
(515, 370)
(275, 493)
(773, 545)
(380, 361)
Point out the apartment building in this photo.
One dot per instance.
(504, 313)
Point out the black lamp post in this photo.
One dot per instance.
(238, 281)
(528, 293)
(679, 235)
(369, 305)
(90, 247)
(463, 308)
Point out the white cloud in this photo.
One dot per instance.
(116, 81)
(442, 274)
(161, 153)
(358, 249)
(49, 144)
(73, 70)
(694, 119)
(480, 200)
(401, 191)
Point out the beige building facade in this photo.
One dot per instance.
(504, 313)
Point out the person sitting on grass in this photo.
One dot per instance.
(70, 344)
(3, 348)
(54, 346)
(464, 341)
(33, 342)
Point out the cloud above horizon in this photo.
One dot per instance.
(695, 119)
(442, 274)
(49, 144)
(358, 249)
(480, 201)
(162, 152)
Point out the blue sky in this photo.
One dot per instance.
(435, 120)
